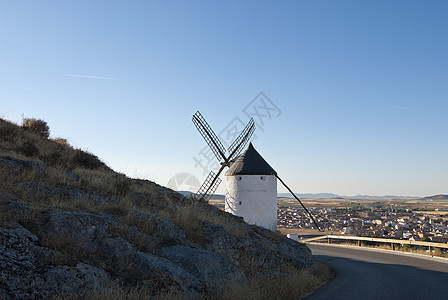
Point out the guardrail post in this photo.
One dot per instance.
(393, 246)
(430, 250)
(359, 243)
(329, 241)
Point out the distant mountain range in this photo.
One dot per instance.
(185, 193)
(335, 196)
(437, 197)
(309, 195)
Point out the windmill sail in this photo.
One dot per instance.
(241, 141)
(212, 181)
(209, 186)
(209, 136)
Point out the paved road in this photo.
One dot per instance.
(369, 274)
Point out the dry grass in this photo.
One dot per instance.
(274, 237)
(294, 284)
(187, 218)
(66, 245)
(120, 293)
(413, 249)
(61, 141)
(191, 217)
(8, 219)
(133, 294)
(143, 239)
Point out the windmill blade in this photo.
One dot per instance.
(209, 186)
(209, 136)
(240, 142)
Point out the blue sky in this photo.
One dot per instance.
(360, 86)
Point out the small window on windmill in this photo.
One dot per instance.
(239, 202)
(263, 178)
(239, 177)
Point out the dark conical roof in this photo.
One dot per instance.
(250, 163)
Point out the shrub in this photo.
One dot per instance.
(61, 141)
(29, 149)
(85, 160)
(7, 131)
(51, 158)
(36, 125)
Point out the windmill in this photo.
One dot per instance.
(212, 181)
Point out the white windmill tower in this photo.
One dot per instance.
(251, 183)
(251, 189)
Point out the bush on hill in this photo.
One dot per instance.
(31, 141)
(36, 125)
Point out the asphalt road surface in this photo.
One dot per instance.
(368, 274)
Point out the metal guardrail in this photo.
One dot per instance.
(377, 240)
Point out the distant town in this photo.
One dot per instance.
(387, 219)
(408, 218)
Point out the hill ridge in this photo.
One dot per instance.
(69, 225)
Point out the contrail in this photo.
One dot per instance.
(88, 76)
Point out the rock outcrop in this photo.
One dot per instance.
(25, 274)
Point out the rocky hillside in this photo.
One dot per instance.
(71, 227)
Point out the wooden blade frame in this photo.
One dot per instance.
(209, 186)
(240, 142)
(209, 136)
